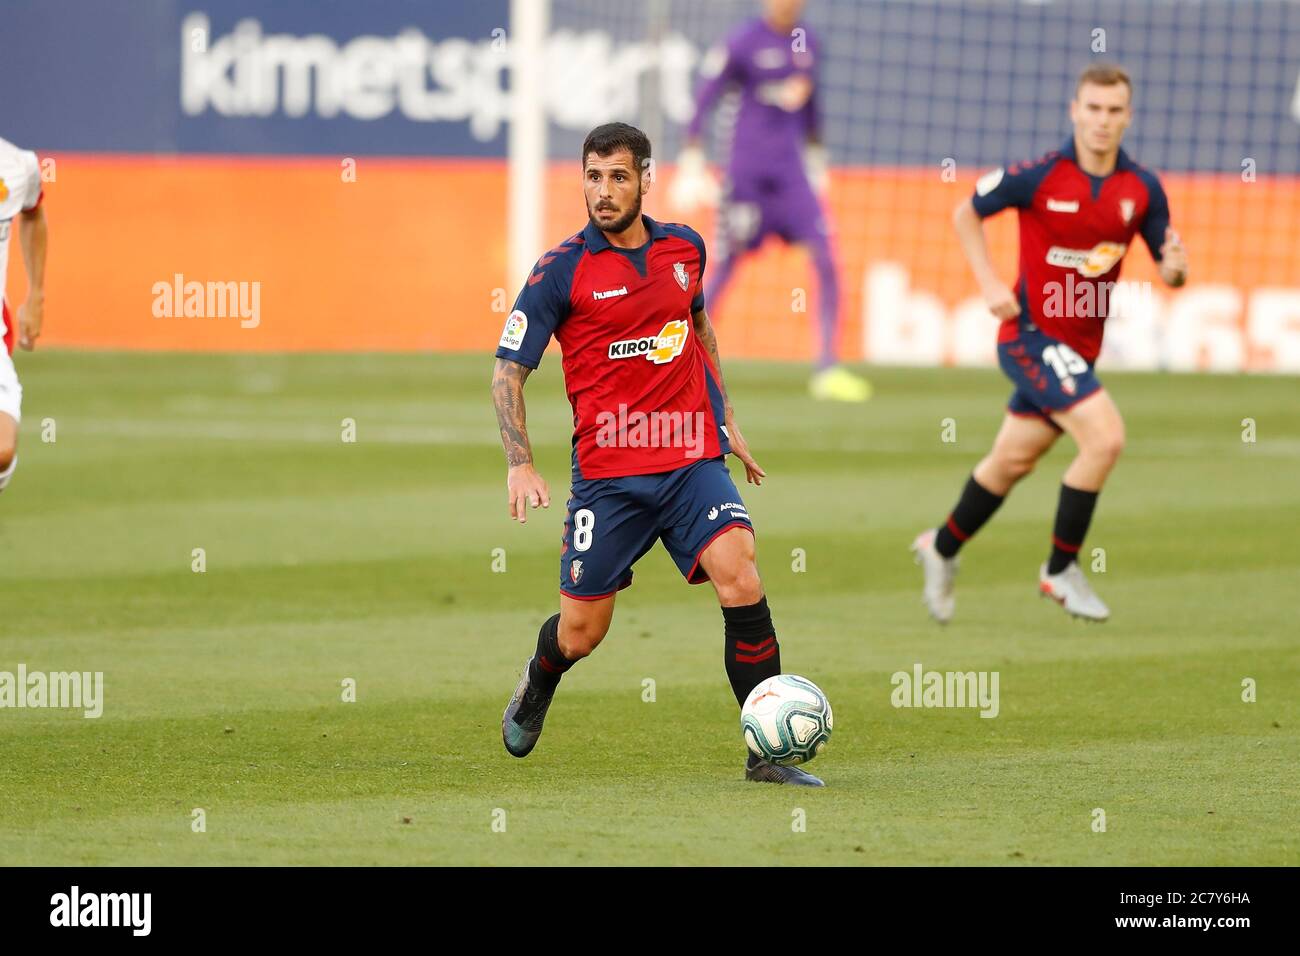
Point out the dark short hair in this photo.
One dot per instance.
(611, 137)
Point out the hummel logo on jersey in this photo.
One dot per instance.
(661, 348)
(609, 294)
(680, 274)
(1093, 262)
(1062, 205)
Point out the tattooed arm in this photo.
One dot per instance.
(508, 396)
(704, 330)
(739, 447)
(523, 484)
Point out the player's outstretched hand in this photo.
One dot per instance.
(740, 448)
(1173, 258)
(526, 487)
(1001, 301)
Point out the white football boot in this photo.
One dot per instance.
(939, 575)
(1071, 590)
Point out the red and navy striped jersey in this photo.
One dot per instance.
(645, 395)
(1075, 229)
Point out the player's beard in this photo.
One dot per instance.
(622, 222)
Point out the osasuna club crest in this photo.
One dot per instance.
(679, 273)
(575, 571)
(1126, 209)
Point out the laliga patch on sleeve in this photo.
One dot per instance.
(516, 326)
(988, 182)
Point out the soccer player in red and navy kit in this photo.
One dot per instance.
(625, 299)
(1080, 209)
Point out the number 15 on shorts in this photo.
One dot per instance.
(1066, 363)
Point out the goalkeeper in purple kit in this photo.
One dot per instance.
(775, 169)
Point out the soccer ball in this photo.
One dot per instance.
(786, 720)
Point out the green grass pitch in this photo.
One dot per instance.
(373, 560)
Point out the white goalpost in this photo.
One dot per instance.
(526, 164)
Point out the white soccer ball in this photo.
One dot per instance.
(786, 720)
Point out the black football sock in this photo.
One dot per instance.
(975, 507)
(548, 664)
(1073, 515)
(752, 653)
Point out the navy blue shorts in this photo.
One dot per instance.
(1049, 376)
(612, 522)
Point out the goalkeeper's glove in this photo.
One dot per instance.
(816, 166)
(693, 185)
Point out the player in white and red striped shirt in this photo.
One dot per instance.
(20, 198)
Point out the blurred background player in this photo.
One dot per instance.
(1080, 208)
(20, 198)
(775, 171)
